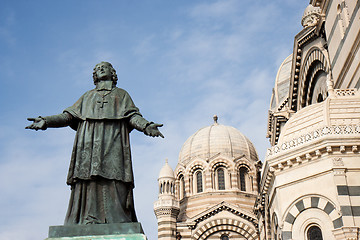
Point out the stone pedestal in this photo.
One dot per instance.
(113, 231)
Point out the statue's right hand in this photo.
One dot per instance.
(38, 123)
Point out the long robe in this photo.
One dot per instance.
(100, 172)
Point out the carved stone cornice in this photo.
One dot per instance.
(308, 156)
(166, 211)
(323, 132)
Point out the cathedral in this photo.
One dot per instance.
(308, 185)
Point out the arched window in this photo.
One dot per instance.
(318, 88)
(275, 227)
(199, 183)
(314, 233)
(243, 174)
(224, 237)
(320, 98)
(167, 187)
(182, 187)
(220, 178)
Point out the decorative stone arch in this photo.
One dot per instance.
(225, 224)
(315, 63)
(308, 202)
(251, 174)
(195, 166)
(226, 176)
(197, 162)
(218, 163)
(246, 163)
(180, 190)
(179, 172)
(191, 172)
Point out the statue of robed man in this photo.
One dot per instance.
(100, 172)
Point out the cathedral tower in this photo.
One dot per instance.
(166, 207)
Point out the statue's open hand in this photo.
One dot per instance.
(153, 131)
(38, 123)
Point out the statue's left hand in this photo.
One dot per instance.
(153, 131)
(38, 123)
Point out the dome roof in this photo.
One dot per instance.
(337, 116)
(212, 140)
(282, 85)
(166, 171)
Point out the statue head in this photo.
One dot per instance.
(114, 77)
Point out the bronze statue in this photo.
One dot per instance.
(100, 172)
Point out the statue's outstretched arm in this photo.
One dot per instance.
(142, 125)
(54, 121)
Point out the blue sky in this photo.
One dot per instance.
(181, 61)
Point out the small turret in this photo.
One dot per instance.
(166, 182)
(166, 208)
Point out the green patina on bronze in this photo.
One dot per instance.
(100, 172)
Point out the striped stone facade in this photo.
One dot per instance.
(310, 186)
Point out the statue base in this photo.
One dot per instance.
(111, 231)
(104, 237)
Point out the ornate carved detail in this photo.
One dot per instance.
(283, 104)
(309, 36)
(355, 149)
(311, 16)
(348, 233)
(191, 225)
(304, 158)
(311, 136)
(167, 211)
(345, 92)
(310, 20)
(342, 149)
(338, 161)
(329, 149)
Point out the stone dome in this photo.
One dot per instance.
(217, 139)
(166, 171)
(282, 85)
(338, 116)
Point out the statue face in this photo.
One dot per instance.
(103, 71)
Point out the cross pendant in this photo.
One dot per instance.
(102, 103)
